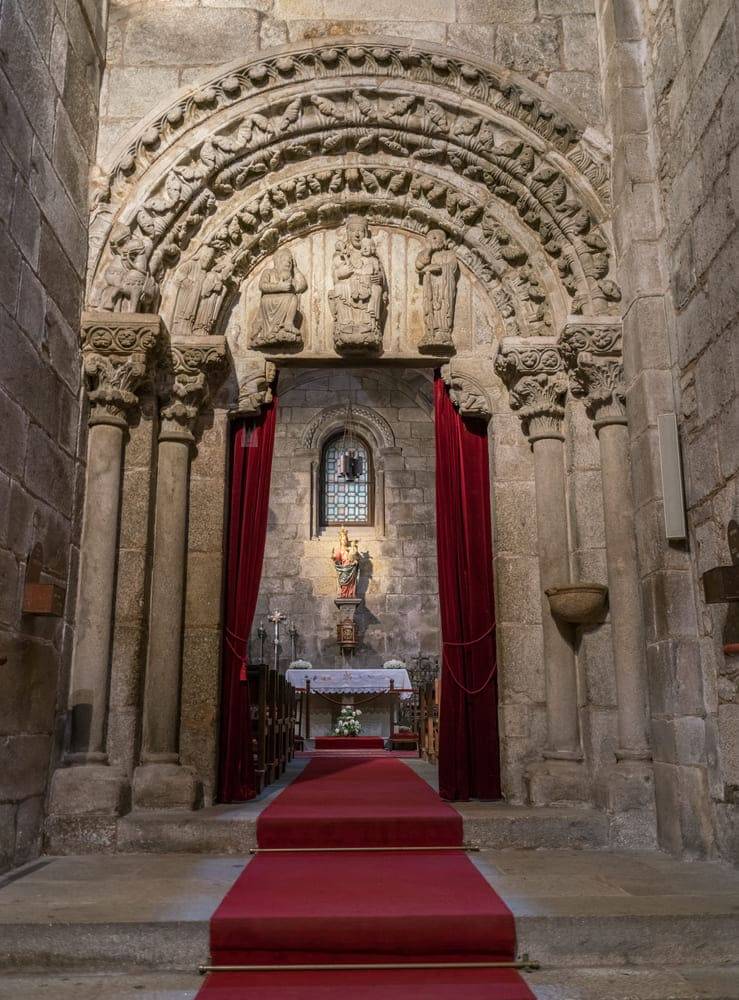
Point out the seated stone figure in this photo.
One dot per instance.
(280, 285)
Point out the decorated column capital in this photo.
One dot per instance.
(533, 371)
(465, 388)
(184, 387)
(119, 354)
(592, 353)
(256, 378)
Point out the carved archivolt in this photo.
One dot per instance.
(335, 416)
(498, 136)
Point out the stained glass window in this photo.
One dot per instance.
(346, 481)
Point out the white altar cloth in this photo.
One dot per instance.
(352, 681)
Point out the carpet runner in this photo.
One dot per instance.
(347, 906)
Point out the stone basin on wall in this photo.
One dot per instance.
(579, 603)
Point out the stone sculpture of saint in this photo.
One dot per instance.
(438, 269)
(346, 559)
(280, 285)
(359, 294)
(200, 289)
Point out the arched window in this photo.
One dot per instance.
(347, 481)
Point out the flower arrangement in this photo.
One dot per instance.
(301, 665)
(393, 665)
(348, 723)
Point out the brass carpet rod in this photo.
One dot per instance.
(467, 848)
(524, 963)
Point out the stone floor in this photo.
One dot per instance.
(605, 925)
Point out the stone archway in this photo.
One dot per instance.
(283, 149)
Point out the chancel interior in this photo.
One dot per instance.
(368, 483)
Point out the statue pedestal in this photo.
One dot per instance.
(346, 630)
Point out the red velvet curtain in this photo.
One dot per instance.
(469, 761)
(252, 445)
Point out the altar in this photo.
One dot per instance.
(376, 692)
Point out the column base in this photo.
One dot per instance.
(558, 781)
(165, 786)
(85, 802)
(626, 793)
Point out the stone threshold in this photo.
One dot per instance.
(573, 909)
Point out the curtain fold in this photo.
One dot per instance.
(469, 758)
(252, 446)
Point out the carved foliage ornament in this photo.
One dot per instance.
(183, 387)
(592, 353)
(370, 419)
(537, 384)
(117, 359)
(390, 121)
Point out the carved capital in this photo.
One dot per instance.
(592, 353)
(534, 373)
(465, 389)
(184, 388)
(119, 354)
(256, 377)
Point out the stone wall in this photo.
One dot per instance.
(156, 46)
(399, 617)
(49, 83)
(670, 87)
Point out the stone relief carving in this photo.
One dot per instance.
(465, 390)
(255, 377)
(128, 286)
(281, 286)
(438, 270)
(200, 290)
(364, 416)
(537, 384)
(118, 357)
(359, 294)
(184, 384)
(372, 117)
(592, 353)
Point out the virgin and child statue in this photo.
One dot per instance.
(359, 294)
(347, 559)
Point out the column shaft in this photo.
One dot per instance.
(554, 568)
(88, 698)
(162, 687)
(623, 589)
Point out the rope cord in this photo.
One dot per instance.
(450, 672)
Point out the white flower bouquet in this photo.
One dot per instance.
(348, 723)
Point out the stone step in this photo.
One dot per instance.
(573, 909)
(653, 983)
(232, 829)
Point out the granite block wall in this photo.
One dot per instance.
(156, 46)
(51, 62)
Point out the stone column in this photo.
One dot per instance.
(533, 371)
(592, 352)
(118, 352)
(160, 781)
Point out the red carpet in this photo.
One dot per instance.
(368, 907)
(349, 743)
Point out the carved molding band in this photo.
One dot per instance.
(534, 374)
(502, 141)
(118, 357)
(335, 416)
